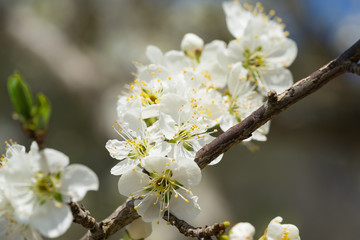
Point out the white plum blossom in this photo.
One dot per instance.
(278, 231)
(145, 94)
(261, 45)
(184, 127)
(39, 184)
(242, 231)
(163, 186)
(205, 66)
(136, 145)
(241, 100)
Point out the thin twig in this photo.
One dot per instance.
(121, 217)
(198, 232)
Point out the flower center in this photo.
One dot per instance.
(149, 97)
(233, 107)
(163, 185)
(47, 186)
(140, 148)
(184, 135)
(254, 59)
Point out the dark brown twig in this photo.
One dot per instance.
(198, 232)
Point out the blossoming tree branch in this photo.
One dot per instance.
(166, 125)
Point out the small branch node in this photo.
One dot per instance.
(352, 67)
(197, 232)
(272, 97)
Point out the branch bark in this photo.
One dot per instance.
(344, 63)
(199, 232)
(125, 214)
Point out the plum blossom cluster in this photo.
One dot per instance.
(35, 188)
(181, 98)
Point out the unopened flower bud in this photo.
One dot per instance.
(242, 231)
(192, 45)
(278, 231)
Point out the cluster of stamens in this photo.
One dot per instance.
(164, 187)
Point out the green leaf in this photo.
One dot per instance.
(20, 96)
(41, 111)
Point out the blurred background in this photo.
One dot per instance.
(80, 54)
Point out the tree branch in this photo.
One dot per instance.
(121, 217)
(125, 214)
(199, 232)
(344, 63)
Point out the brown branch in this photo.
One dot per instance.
(199, 232)
(82, 216)
(125, 214)
(284, 100)
(121, 217)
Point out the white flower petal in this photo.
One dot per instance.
(237, 18)
(147, 209)
(77, 180)
(277, 79)
(117, 149)
(154, 54)
(124, 166)
(282, 54)
(131, 182)
(167, 125)
(186, 211)
(56, 160)
(176, 61)
(156, 163)
(52, 221)
(187, 172)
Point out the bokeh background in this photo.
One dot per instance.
(80, 54)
